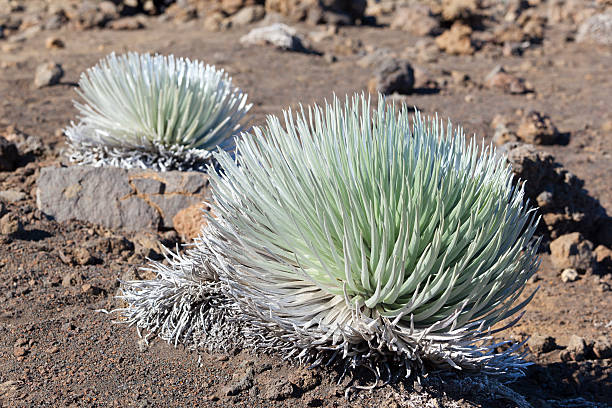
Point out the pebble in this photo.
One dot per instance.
(577, 348)
(602, 348)
(12, 196)
(498, 78)
(54, 43)
(90, 289)
(241, 381)
(572, 251)
(569, 275)
(392, 75)
(503, 135)
(541, 344)
(10, 224)
(278, 35)
(52, 349)
(48, 74)
(537, 128)
(82, 256)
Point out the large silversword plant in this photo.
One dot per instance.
(154, 111)
(362, 236)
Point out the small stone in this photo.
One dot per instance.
(25, 34)
(48, 74)
(10, 224)
(536, 128)
(241, 381)
(330, 58)
(541, 344)
(54, 43)
(417, 19)
(12, 196)
(147, 245)
(459, 9)
(372, 59)
(278, 35)
(459, 78)
(214, 21)
(572, 251)
(392, 76)
(603, 257)
(56, 21)
(90, 289)
(55, 280)
(248, 15)
(126, 23)
(597, 29)
(607, 126)
(22, 341)
(498, 78)
(71, 279)
(545, 199)
(577, 348)
(20, 351)
(52, 350)
(565, 355)
(278, 390)
(602, 348)
(457, 40)
(82, 256)
(569, 275)
(9, 155)
(503, 135)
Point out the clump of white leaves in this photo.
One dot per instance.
(156, 111)
(361, 236)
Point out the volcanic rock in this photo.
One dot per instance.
(118, 198)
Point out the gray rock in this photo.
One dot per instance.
(393, 75)
(241, 381)
(278, 390)
(597, 28)
(48, 74)
(118, 198)
(569, 275)
(572, 251)
(602, 348)
(12, 196)
(503, 135)
(248, 15)
(537, 128)
(417, 19)
(147, 186)
(25, 34)
(10, 224)
(577, 348)
(541, 344)
(278, 35)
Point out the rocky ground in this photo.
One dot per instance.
(531, 76)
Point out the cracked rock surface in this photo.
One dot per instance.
(118, 198)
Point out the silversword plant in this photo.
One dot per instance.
(154, 111)
(357, 235)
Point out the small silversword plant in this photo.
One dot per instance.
(361, 236)
(154, 111)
